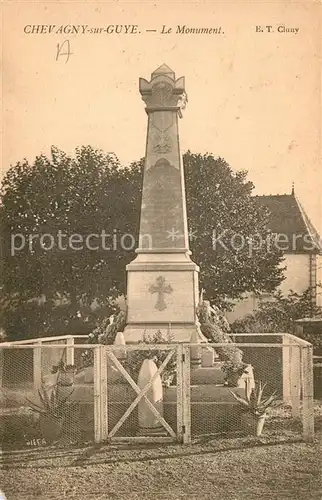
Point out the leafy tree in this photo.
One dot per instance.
(64, 196)
(48, 287)
(233, 246)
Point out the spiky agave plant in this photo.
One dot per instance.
(254, 401)
(51, 404)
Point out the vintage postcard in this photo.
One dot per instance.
(161, 270)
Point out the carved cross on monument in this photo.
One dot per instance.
(161, 289)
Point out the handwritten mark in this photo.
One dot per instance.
(60, 48)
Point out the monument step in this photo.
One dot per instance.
(207, 375)
(216, 364)
(122, 394)
(205, 393)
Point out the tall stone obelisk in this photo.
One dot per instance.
(162, 281)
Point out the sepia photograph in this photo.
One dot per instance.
(161, 250)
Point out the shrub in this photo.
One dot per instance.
(279, 314)
(135, 359)
(216, 330)
(104, 333)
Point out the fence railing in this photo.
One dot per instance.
(109, 402)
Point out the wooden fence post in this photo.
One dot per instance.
(103, 393)
(307, 393)
(1, 365)
(286, 367)
(180, 424)
(186, 399)
(70, 350)
(295, 378)
(37, 375)
(97, 388)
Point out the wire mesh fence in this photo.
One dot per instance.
(272, 374)
(142, 390)
(59, 391)
(45, 397)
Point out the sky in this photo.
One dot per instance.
(254, 97)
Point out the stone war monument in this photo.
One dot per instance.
(162, 281)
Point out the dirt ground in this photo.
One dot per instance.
(276, 466)
(234, 469)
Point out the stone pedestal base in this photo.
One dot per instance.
(156, 432)
(135, 333)
(162, 294)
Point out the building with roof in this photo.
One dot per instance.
(301, 245)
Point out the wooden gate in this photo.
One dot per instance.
(104, 432)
